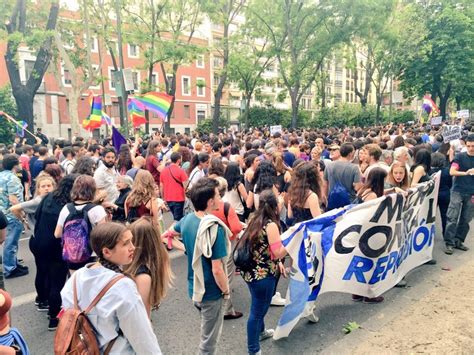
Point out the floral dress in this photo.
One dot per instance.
(264, 265)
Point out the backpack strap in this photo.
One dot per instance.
(71, 208)
(103, 292)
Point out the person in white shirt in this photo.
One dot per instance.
(69, 162)
(106, 176)
(120, 314)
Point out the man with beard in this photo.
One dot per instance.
(106, 176)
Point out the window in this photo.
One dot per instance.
(94, 43)
(347, 85)
(186, 85)
(187, 130)
(133, 50)
(218, 62)
(136, 80)
(200, 62)
(111, 78)
(200, 115)
(216, 80)
(187, 111)
(352, 97)
(201, 87)
(154, 80)
(347, 97)
(95, 76)
(115, 111)
(169, 79)
(66, 77)
(348, 73)
(29, 65)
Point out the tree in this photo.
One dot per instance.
(76, 60)
(165, 31)
(222, 13)
(8, 105)
(303, 33)
(443, 64)
(250, 57)
(37, 36)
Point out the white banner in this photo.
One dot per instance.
(361, 249)
(451, 133)
(275, 129)
(462, 114)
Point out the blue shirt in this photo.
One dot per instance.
(188, 227)
(288, 158)
(38, 167)
(9, 185)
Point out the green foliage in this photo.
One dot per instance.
(205, 126)
(8, 105)
(262, 117)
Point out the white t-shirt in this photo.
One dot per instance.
(120, 308)
(95, 214)
(195, 175)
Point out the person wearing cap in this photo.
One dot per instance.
(11, 341)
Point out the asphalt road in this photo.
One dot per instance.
(177, 322)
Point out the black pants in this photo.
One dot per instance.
(443, 204)
(49, 281)
(177, 209)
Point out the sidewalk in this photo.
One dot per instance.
(439, 322)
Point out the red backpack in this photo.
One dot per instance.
(75, 334)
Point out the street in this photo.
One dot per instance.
(177, 322)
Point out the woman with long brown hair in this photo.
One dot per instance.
(397, 177)
(304, 193)
(150, 267)
(263, 238)
(142, 200)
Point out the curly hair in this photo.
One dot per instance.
(305, 180)
(143, 189)
(84, 166)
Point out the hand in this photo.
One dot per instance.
(470, 171)
(282, 269)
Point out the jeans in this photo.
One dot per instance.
(176, 209)
(212, 319)
(261, 293)
(10, 248)
(459, 215)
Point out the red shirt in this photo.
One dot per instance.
(232, 221)
(172, 179)
(151, 165)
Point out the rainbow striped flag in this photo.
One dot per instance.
(136, 110)
(157, 102)
(94, 120)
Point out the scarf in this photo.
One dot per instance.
(111, 266)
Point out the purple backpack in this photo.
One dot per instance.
(76, 231)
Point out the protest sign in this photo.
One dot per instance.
(462, 114)
(361, 249)
(436, 120)
(451, 133)
(275, 129)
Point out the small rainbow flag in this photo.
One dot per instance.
(94, 120)
(156, 102)
(429, 106)
(136, 111)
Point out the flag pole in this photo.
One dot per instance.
(10, 118)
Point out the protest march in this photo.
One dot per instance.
(333, 210)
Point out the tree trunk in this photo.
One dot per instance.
(247, 112)
(294, 110)
(24, 103)
(443, 103)
(73, 98)
(379, 104)
(458, 103)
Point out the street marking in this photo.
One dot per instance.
(24, 299)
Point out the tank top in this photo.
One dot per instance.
(233, 198)
(301, 214)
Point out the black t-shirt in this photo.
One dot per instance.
(464, 184)
(3, 221)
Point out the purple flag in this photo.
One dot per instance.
(117, 139)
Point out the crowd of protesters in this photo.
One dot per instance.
(220, 189)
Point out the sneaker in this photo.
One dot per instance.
(22, 267)
(53, 323)
(42, 307)
(17, 272)
(235, 315)
(461, 246)
(431, 262)
(449, 250)
(357, 298)
(313, 318)
(37, 300)
(277, 300)
(402, 283)
(373, 300)
(267, 333)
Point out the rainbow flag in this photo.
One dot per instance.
(429, 106)
(136, 110)
(94, 120)
(156, 102)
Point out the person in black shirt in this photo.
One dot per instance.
(3, 235)
(461, 204)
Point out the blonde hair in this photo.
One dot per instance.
(405, 184)
(143, 189)
(43, 177)
(151, 253)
